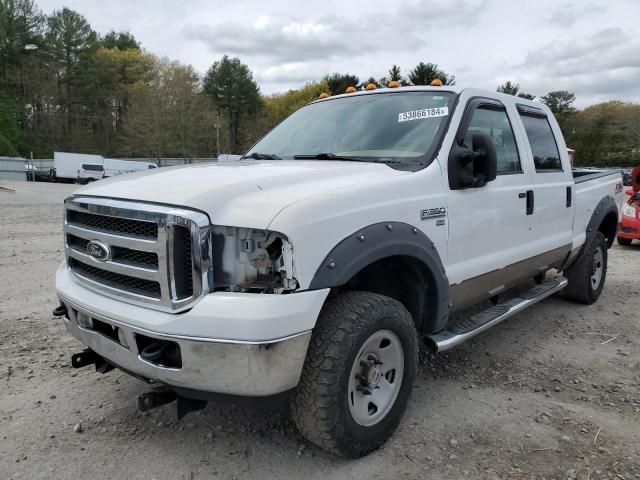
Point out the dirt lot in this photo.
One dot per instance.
(552, 393)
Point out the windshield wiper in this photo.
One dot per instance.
(329, 156)
(263, 156)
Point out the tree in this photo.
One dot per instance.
(71, 41)
(280, 105)
(425, 73)
(116, 71)
(119, 40)
(560, 102)
(230, 84)
(9, 128)
(605, 135)
(513, 88)
(339, 82)
(395, 74)
(21, 27)
(169, 116)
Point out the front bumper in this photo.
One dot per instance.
(629, 228)
(259, 348)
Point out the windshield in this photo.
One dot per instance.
(393, 127)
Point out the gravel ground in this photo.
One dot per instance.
(553, 393)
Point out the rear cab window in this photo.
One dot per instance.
(546, 155)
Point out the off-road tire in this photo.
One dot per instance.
(580, 288)
(320, 405)
(625, 242)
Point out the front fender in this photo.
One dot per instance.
(382, 240)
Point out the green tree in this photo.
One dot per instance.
(513, 88)
(395, 74)
(168, 116)
(339, 82)
(21, 28)
(605, 135)
(9, 128)
(119, 40)
(71, 42)
(280, 105)
(230, 84)
(560, 102)
(425, 73)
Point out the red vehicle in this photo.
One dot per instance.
(630, 224)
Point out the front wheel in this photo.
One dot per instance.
(587, 274)
(358, 374)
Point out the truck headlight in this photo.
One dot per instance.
(252, 260)
(628, 210)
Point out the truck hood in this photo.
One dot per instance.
(242, 194)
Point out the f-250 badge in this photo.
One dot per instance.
(433, 213)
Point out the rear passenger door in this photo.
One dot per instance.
(553, 195)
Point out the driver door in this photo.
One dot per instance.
(489, 226)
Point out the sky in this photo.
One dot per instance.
(589, 48)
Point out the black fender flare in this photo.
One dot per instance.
(605, 207)
(381, 240)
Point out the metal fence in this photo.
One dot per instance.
(16, 168)
(12, 168)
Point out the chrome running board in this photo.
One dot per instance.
(465, 329)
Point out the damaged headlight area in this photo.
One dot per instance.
(251, 260)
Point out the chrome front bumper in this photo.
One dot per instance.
(230, 367)
(233, 343)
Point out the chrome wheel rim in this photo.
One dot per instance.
(598, 268)
(376, 378)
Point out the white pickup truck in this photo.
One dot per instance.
(316, 265)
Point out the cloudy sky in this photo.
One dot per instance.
(590, 48)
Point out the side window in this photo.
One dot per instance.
(546, 156)
(495, 123)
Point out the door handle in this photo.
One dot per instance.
(568, 204)
(530, 202)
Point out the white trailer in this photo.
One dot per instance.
(66, 165)
(113, 167)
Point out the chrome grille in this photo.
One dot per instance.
(104, 223)
(158, 256)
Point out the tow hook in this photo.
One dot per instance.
(60, 311)
(89, 357)
(163, 396)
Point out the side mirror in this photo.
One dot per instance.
(486, 161)
(473, 168)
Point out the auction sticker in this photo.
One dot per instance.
(423, 113)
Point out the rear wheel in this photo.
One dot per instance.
(358, 375)
(625, 242)
(588, 273)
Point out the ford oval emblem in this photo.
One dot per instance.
(99, 250)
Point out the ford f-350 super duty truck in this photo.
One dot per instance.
(315, 266)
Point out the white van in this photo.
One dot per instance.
(89, 172)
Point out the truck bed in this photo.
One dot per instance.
(584, 175)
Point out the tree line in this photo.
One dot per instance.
(64, 86)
